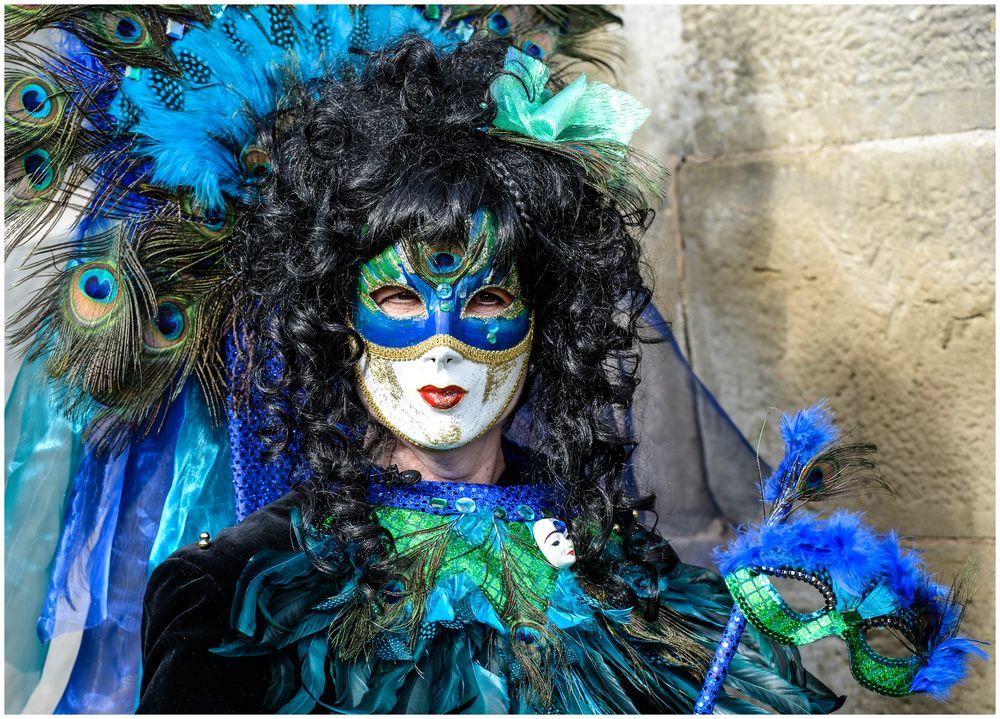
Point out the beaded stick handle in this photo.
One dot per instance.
(719, 668)
(730, 640)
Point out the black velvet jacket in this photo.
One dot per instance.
(186, 612)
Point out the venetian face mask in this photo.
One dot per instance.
(553, 539)
(446, 337)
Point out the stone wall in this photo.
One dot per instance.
(829, 232)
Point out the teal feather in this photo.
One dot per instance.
(879, 602)
(352, 681)
(283, 680)
(605, 669)
(764, 684)
(313, 658)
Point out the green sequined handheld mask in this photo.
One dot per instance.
(868, 583)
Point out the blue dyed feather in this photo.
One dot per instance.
(842, 544)
(805, 434)
(237, 73)
(948, 665)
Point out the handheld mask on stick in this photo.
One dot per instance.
(446, 337)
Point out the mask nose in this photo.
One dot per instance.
(442, 357)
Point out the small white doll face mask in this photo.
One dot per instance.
(553, 539)
(446, 338)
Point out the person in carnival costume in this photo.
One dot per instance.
(405, 261)
(436, 276)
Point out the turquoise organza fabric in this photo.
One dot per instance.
(45, 453)
(42, 448)
(201, 496)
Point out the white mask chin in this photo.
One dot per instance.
(403, 389)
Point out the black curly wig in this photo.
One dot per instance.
(407, 145)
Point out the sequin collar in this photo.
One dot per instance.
(515, 503)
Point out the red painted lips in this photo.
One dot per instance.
(442, 398)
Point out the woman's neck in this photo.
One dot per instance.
(479, 462)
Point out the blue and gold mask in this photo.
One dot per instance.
(445, 374)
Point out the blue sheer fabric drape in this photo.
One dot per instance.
(83, 531)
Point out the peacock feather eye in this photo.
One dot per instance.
(394, 590)
(533, 49)
(499, 24)
(212, 223)
(256, 163)
(95, 291)
(34, 100)
(443, 263)
(815, 475)
(32, 175)
(528, 633)
(125, 28)
(169, 327)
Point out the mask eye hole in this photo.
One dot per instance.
(489, 302)
(798, 596)
(889, 642)
(398, 302)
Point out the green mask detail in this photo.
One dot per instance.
(765, 608)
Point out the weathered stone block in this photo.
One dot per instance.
(723, 79)
(863, 274)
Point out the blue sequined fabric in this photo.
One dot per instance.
(256, 481)
(515, 503)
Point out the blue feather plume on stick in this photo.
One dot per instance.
(805, 434)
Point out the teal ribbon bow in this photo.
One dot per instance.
(581, 112)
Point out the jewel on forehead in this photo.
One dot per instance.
(443, 290)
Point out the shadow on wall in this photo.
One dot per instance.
(704, 478)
